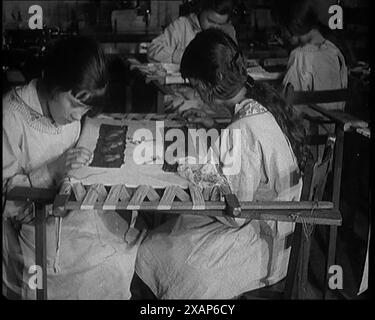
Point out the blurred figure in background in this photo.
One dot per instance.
(170, 45)
(316, 63)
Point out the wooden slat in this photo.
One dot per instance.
(102, 193)
(113, 197)
(155, 116)
(31, 194)
(79, 191)
(153, 205)
(269, 62)
(41, 248)
(152, 195)
(181, 194)
(206, 193)
(138, 197)
(289, 290)
(345, 119)
(337, 166)
(364, 132)
(304, 266)
(96, 193)
(196, 197)
(158, 116)
(215, 194)
(322, 96)
(330, 258)
(155, 78)
(316, 140)
(149, 116)
(286, 205)
(124, 194)
(322, 216)
(167, 199)
(135, 116)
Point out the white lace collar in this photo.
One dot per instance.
(248, 107)
(25, 101)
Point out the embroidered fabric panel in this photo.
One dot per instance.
(110, 147)
(190, 147)
(169, 165)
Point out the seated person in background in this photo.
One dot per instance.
(201, 257)
(170, 45)
(41, 125)
(315, 63)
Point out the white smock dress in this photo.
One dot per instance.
(200, 257)
(93, 260)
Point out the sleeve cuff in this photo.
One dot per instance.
(41, 177)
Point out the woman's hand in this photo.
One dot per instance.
(73, 158)
(197, 116)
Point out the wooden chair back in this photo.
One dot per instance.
(314, 183)
(316, 173)
(316, 97)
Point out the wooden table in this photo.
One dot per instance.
(164, 84)
(161, 83)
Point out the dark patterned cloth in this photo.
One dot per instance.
(110, 148)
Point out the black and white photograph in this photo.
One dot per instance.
(203, 151)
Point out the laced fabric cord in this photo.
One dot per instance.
(308, 228)
(56, 263)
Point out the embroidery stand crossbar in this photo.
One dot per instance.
(174, 199)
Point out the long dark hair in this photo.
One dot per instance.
(216, 66)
